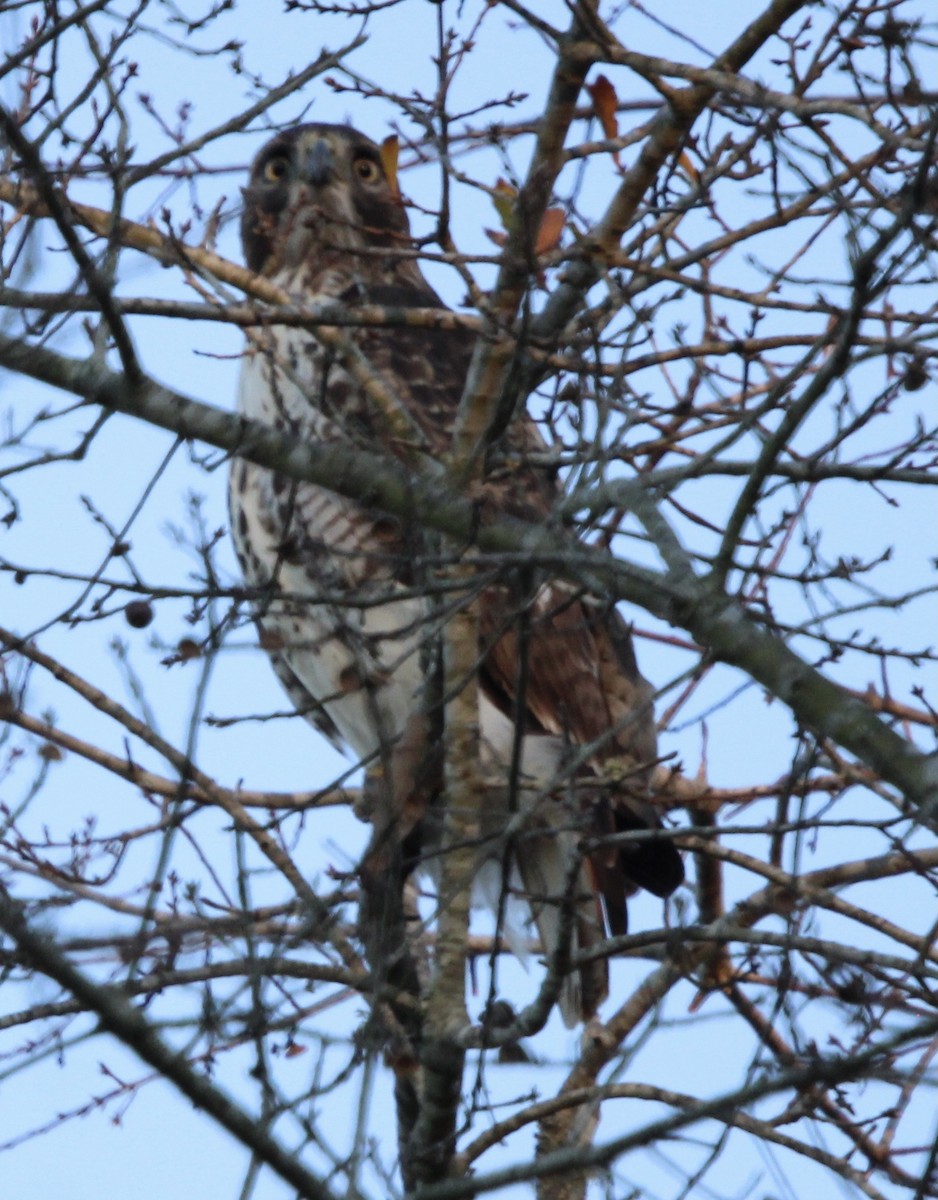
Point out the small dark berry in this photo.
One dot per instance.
(139, 613)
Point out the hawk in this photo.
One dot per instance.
(346, 601)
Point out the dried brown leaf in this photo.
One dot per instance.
(503, 197)
(684, 162)
(390, 149)
(605, 102)
(548, 236)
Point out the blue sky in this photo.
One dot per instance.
(159, 1144)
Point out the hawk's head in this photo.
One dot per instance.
(316, 190)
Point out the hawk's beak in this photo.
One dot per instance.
(319, 165)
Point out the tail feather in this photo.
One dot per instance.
(565, 906)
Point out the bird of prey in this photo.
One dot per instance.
(347, 597)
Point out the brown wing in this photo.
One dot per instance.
(573, 656)
(576, 664)
(427, 367)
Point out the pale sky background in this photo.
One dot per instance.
(161, 1146)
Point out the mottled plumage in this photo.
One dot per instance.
(346, 605)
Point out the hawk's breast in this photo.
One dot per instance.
(327, 599)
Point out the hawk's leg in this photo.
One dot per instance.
(396, 798)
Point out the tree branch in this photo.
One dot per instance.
(120, 1018)
(714, 619)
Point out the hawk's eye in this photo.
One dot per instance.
(275, 168)
(366, 169)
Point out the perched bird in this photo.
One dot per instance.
(347, 597)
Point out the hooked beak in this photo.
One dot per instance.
(318, 165)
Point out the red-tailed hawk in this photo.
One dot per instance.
(346, 601)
